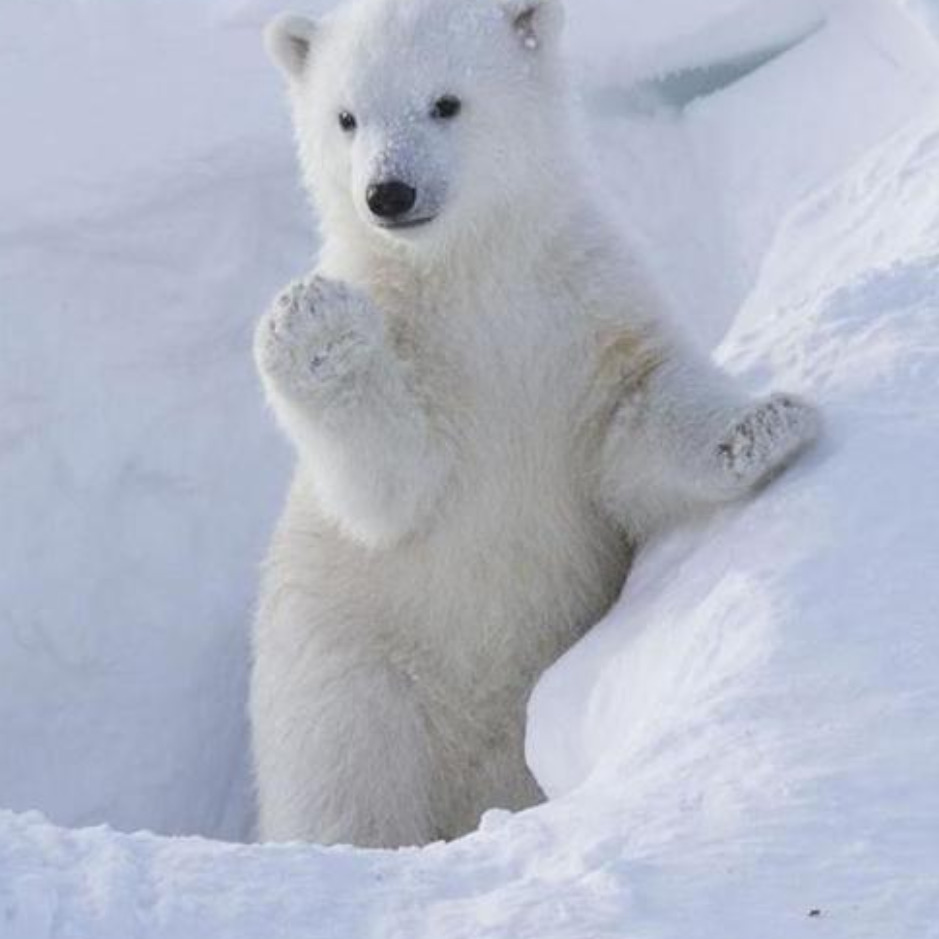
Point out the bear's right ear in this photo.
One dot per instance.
(288, 39)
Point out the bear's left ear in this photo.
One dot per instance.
(536, 23)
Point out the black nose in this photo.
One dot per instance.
(391, 199)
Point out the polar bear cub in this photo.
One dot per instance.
(489, 412)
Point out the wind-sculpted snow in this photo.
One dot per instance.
(747, 747)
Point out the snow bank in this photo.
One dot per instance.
(750, 737)
(765, 700)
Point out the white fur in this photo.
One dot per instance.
(489, 414)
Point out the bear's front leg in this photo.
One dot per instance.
(344, 398)
(686, 437)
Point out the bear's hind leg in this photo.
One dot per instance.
(342, 754)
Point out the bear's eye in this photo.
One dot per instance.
(347, 121)
(446, 108)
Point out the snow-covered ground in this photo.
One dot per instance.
(748, 748)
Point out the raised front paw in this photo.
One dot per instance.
(319, 335)
(764, 440)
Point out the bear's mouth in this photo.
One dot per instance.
(393, 225)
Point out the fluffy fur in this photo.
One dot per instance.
(489, 413)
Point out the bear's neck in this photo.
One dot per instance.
(492, 253)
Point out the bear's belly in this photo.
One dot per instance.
(518, 578)
(517, 564)
(509, 575)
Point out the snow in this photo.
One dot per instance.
(751, 736)
(134, 197)
(673, 35)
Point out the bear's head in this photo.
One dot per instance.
(420, 121)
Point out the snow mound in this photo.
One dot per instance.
(747, 747)
(766, 697)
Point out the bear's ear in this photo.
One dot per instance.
(288, 39)
(536, 23)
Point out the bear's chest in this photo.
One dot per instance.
(506, 375)
(503, 366)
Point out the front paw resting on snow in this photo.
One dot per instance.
(761, 442)
(318, 337)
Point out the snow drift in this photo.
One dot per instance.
(748, 746)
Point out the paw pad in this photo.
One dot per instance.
(767, 438)
(316, 333)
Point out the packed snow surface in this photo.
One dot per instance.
(747, 748)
